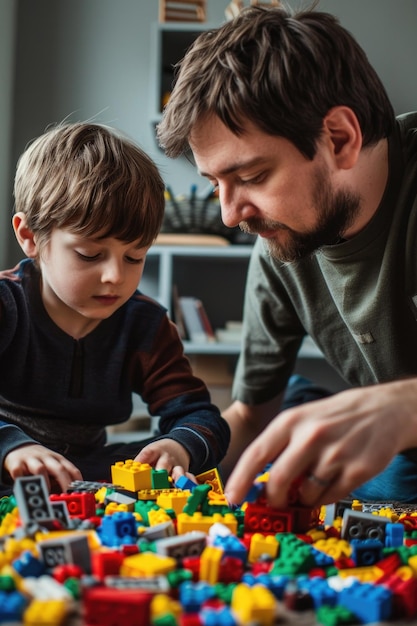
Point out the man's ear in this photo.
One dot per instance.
(342, 129)
(24, 235)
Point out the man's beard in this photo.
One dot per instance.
(336, 211)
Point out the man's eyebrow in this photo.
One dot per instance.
(234, 167)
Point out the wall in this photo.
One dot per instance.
(86, 59)
(7, 46)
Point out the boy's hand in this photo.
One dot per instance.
(166, 454)
(34, 459)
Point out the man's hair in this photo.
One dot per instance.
(92, 180)
(283, 72)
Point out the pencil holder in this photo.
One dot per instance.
(200, 216)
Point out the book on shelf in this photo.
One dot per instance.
(178, 316)
(196, 322)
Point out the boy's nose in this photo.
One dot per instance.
(112, 273)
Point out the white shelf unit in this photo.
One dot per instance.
(216, 275)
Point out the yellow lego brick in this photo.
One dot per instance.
(210, 564)
(405, 572)
(198, 521)
(151, 494)
(9, 523)
(316, 534)
(254, 605)
(262, 545)
(336, 548)
(147, 564)
(216, 499)
(45, 613)
(212, 478)
(366, 574)
(132, 475)
(174, 499)
(412, 563)
(162, 605)
(158, 517)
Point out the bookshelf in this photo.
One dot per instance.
(215, 274)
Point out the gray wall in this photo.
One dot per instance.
(85, 59)
(7, 47)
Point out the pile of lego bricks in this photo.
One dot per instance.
(143, 551)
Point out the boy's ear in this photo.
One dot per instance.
(24, 235)
(345, 136)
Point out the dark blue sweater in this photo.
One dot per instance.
(55, 389)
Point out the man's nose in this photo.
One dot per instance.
(235, 208)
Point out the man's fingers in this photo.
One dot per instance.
(253, 461)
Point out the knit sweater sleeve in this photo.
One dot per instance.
(180, 399)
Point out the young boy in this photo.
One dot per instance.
(76, 337)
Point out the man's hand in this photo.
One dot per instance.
(34, 459)
(332, 446)
(166, 454)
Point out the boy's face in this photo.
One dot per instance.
(85, 280)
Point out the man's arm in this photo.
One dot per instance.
(246, 423)
(334, 445)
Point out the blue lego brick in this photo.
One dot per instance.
(369, 603)
(118, 529)
(12, 606)
(193, 595)
(275, 584)
(217, 617)
(185, 483)
(321, 558)
(28, 565)
(366, 552)
(394, 535)
(319, 590)
(232, 546)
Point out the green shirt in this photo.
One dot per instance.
(357, 299)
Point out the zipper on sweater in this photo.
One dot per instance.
(77, 370)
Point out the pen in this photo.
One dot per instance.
(206, 201)
(193, 193)
(175, 207)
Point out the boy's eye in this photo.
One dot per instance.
(86, 257)
(130, 259)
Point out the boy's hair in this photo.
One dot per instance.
(90, 179)
(281, 71)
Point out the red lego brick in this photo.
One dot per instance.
(79, 505)
(104, 606)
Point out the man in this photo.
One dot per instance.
(288, 120)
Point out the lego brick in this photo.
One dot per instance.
(73, 549)
(181, 546)
(369, 603)
(32, 498)
(358, 525)
(132, 475)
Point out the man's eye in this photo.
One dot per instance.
(254, 181)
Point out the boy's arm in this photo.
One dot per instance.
(181, 400)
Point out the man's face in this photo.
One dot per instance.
(268, 187)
